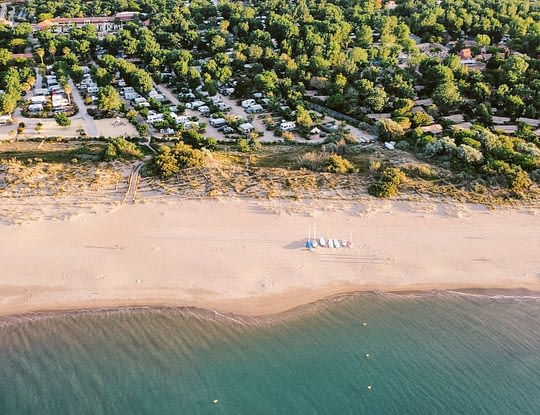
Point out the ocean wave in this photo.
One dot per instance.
(301, 311)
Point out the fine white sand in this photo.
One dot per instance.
(248, 256)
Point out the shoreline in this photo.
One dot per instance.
(247, 257)
(58, 310)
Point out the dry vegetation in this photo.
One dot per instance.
(36, 177)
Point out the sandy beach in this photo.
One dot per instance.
(248, 256)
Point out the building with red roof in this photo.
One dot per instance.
(104, 24)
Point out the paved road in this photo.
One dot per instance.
(3, 10)
(91, 129)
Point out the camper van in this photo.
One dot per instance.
(254, 109)
(4, 119)
(154, 118)
(248, 103)
(204, 110)
(287, 125)
(139, 100)
(35, 107)
(194, 105)
(131, 95)
(223, 107)
(217, 122)
(180, 119)
(40, 99)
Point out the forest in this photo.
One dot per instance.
(357, 57)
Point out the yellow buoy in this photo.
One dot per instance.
(215, 401)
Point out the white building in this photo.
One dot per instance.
(104, 24)
(246, 127)
(287, 125)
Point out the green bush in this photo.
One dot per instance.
(166, 163)
(387, 183)
(389, 130)
(326, 162)
(121, 148)
(188, 156)
(169, 161)
(142, 129)
(337, 164)
(243, 145)
(62, 120)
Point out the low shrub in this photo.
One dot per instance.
(120, 148)
(169, 161)
(325, 162)
(387, 183)
(62, 120)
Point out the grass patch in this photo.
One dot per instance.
(51, 152)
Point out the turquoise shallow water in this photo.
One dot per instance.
(438, 353)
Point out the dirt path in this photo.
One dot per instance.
(133, 182)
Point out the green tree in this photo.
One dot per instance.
(8, 102)
(483, 40)
(188, 156)
(5, 56)
(303, 119)
(52, 50)
(389, 130)
(121, 148)
(41, 53)
(62, 120)
(266, 81)
(377, 99)
(109, 99)
(514, 68)
(446, 96)
(103, 77)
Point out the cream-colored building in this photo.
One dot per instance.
(104, 24)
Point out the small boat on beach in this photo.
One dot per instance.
(309, 242)
(322, 242)
(336, 243)
(330, 243)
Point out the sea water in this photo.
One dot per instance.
(435, 353)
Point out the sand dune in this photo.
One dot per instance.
(247, 256)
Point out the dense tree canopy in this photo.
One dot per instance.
(469, 58)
